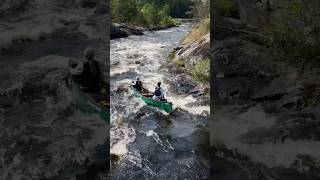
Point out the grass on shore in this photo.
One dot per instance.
(198, 31)
(201, 71)
(180, 62)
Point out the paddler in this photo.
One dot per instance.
(159, 94)
(138, 85)
(91, 77)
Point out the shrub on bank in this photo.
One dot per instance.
(297, 40)
(227, 8)
(201, 71)
(198, 31)
(146, 14)
(180, 62)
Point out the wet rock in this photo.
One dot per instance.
(200, 90)
(238, 48)
(183, 84)
(122, 30)
(177, 48)
(116, 32)
(114, 158)
(270, 97)
(132, 31)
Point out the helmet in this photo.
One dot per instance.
(159, 83)
(89, 53)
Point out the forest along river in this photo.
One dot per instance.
(145, 142)
(42, 134)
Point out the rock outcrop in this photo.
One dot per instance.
(122, 30)
(263, 108)
(184, 58)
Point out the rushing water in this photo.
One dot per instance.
(43, 135)
(149, 143)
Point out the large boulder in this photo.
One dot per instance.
(122, 30)
(116, 32)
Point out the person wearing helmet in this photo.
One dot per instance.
(90, 79)
(158, 94)
(138, 85)
(92, 71)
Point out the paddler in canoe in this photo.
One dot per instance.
(88, 74)
(157, 98)
(137, 85)
(89, 90)
(159, 93)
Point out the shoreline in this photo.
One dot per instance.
(122, 30)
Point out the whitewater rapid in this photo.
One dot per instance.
(148, 142)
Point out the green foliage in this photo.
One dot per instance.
(180, 62)
(172, 54)
(227, 8)
(200, 9)
(169, 21)
(201, 71)
(148, 13)
(297, 40)
(124, 10)
(198, 31)
(180, 8)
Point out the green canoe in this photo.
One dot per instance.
(147, 98)
(87, 104)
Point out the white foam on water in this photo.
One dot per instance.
(120, 137)
(182, 102)
(43, 19)
(229, 128)
(144, 57)
(49, 61)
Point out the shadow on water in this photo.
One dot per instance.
(29, 51)
(166, 147)
(146, 143)
(43, 134)
(228, 164)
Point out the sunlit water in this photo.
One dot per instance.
(149, 142)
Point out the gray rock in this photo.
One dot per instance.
(116, 32)
(220, 76)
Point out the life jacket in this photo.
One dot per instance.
(138, 85)
(157, 92)
(90, 76)
(94, 68)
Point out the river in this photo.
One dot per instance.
(145, 142)
(43, 135)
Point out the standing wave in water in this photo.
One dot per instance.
(43, 134)
(146, 143)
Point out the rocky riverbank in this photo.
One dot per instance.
(121, 30)
(266, 114)
(185, 58)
